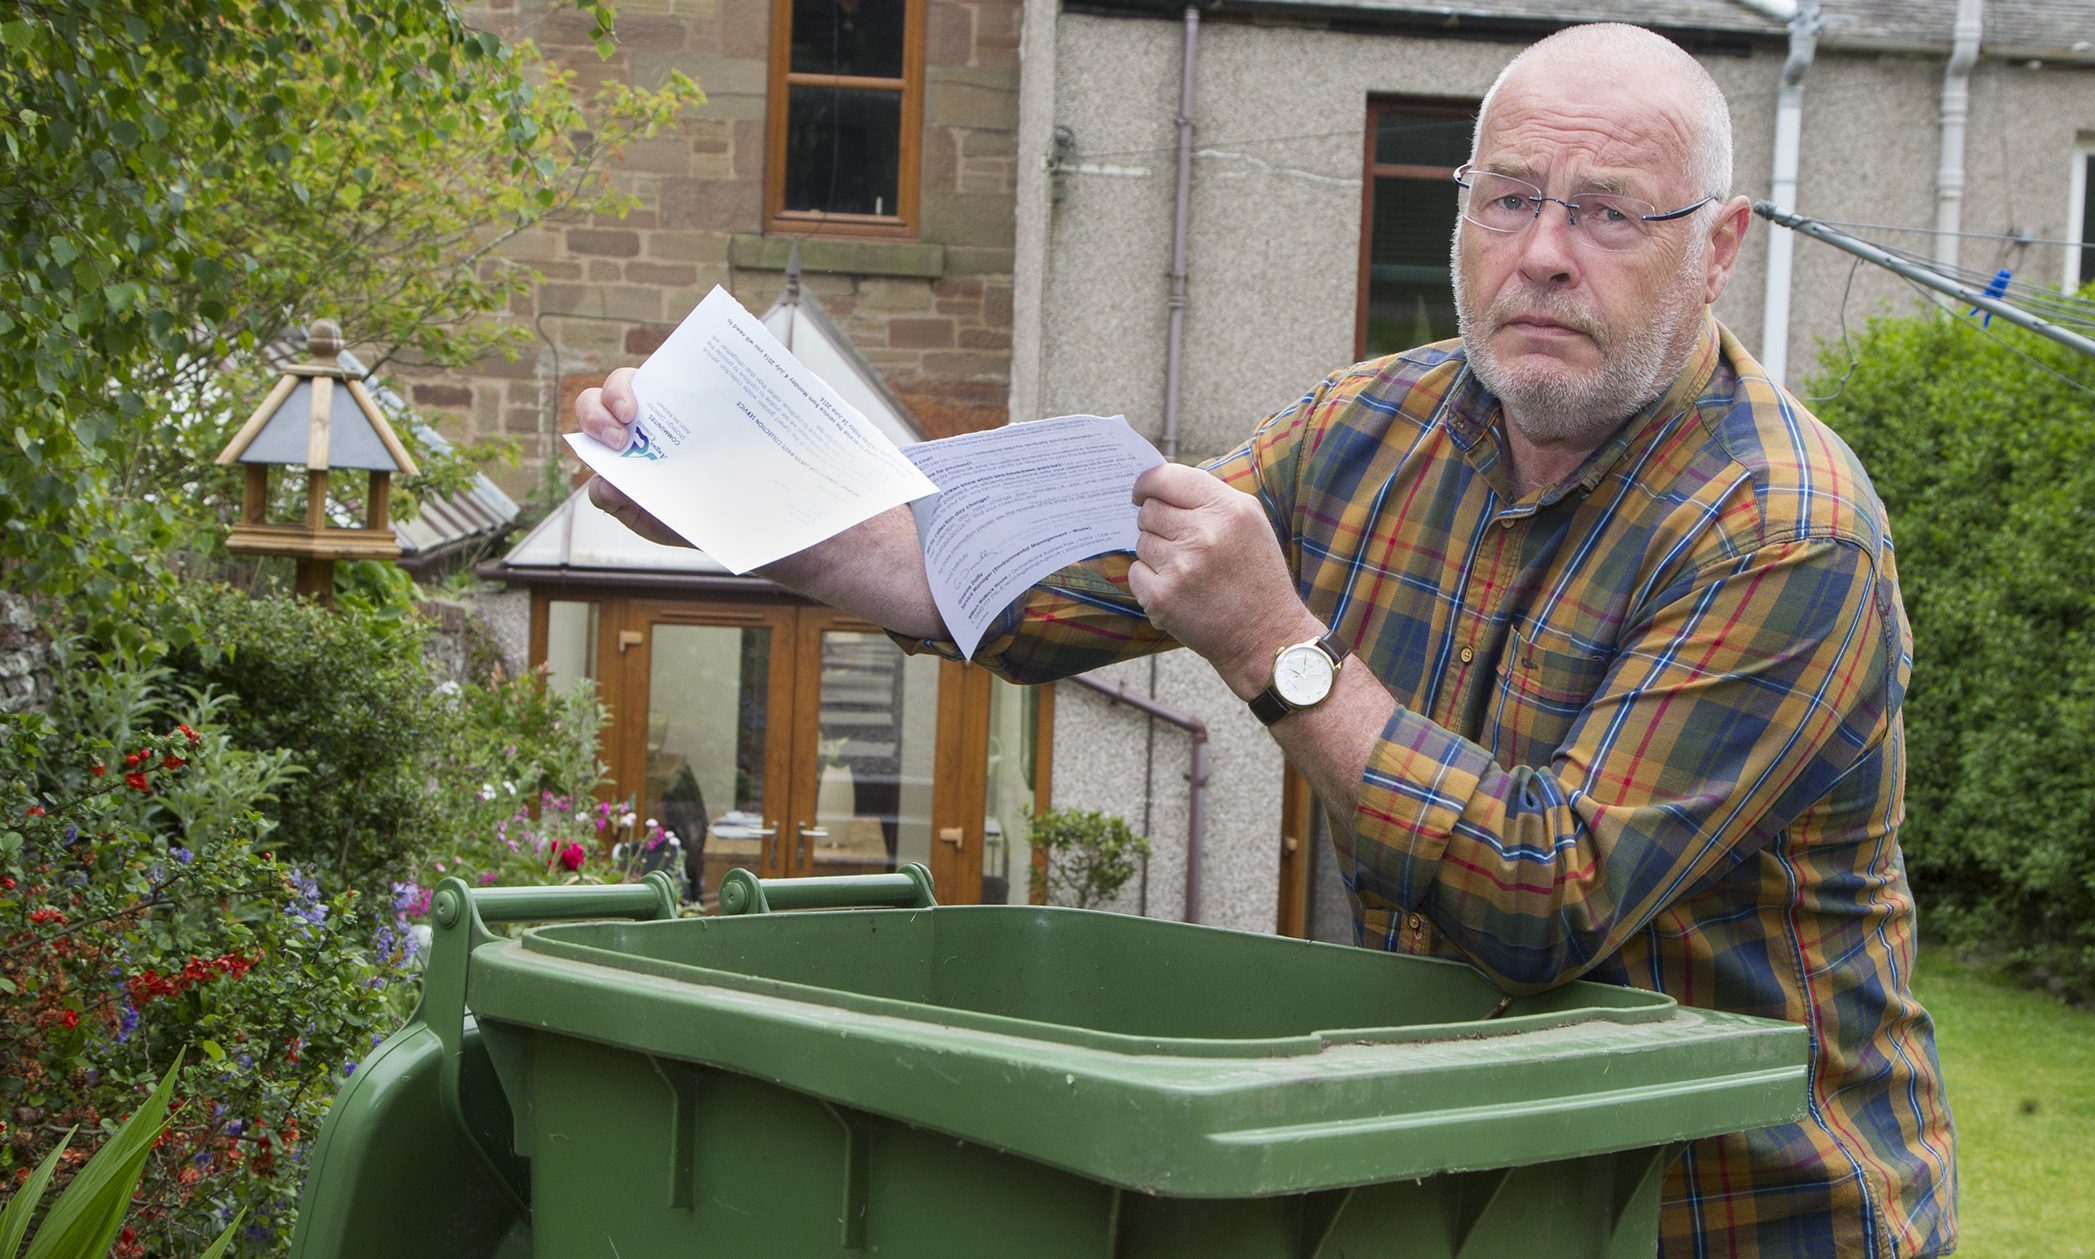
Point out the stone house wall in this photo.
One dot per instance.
(932, 315)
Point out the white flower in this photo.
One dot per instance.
(486, 792)
(509, 787)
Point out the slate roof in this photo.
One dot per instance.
(446, 523)
(2055, 30)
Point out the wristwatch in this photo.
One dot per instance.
(1303, 675)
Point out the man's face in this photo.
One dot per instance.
(1573, 339)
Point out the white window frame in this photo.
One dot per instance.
(2076, 211)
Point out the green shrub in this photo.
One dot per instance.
(517, 767)
(1985, 460)
(350, 698)
(1089, 856)
(142, 916)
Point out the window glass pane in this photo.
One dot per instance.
(843, 149)
(571, 630)
(878, 714)
(2087, 220)
(708, 693)
(1007, 859)
(1411, 138)
(862, 37)
(1410, 288)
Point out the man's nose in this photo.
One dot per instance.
(1549, 247)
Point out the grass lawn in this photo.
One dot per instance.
(2020, 1069)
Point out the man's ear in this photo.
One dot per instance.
(1725, 237)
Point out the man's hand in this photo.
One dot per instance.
(607, 414)
(1208, 571)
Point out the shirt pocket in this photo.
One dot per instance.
(1544, 684)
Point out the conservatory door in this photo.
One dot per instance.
(709, 759)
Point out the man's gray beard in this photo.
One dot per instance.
(1553, 407)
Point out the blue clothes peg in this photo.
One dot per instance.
(1997, 289)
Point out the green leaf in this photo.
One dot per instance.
(88, 1215)
(225, 1239)
(213, 1050)
(14, 1220)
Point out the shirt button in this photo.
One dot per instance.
(1415, 922)
(1468, 655)
(1507, 523)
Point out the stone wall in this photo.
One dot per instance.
(932, 315)
(26, 659)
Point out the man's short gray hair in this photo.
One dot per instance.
(1709, 117)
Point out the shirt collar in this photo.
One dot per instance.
(1472, 414)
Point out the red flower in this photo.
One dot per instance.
(573, 856)
(137, 781)
(171, 761)
(36, 810)
(71, 1018)
(131, 761)
(191, 735)
(47, 915)
(98, 769)
(7, 882)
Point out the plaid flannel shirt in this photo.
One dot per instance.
(1648, 732)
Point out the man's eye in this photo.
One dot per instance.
(1511, 202)
(1605, 211)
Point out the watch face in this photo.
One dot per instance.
(1302, 675)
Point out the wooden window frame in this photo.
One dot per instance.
(2080, 189)
(909, 164)
(1450, 107)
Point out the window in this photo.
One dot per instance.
(846, 116)
(2080, 220)
(1407, 293)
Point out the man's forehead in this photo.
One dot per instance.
(1608, 135)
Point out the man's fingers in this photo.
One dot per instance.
(609, 498)
(1164, 519)
(619, 398)
(1177, 484)
(606, 413)
(1152, 551)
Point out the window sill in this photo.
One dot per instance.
(914, 259)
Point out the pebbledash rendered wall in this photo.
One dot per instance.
(933, 314)
(1274, 255)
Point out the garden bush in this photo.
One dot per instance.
(1089, 856)
(144, 914)
(350, 698)
(1983, 449)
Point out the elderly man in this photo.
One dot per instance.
(1586, 633)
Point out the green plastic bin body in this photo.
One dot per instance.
(1008, 1081)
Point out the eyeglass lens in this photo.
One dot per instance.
(1501, 203)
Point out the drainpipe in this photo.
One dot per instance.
(1956, 109)
(1804, 27)
(1196, 774)
(1181, 196)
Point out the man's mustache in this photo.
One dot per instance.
(1543, 305)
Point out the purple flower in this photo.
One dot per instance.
(127, 1022)
(182, 855)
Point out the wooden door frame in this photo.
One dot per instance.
(628, 740)
(959, 765)
(1296, 805)
(960, 759)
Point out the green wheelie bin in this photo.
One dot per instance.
(879, 1075)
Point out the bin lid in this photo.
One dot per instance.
(1156, 1056)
